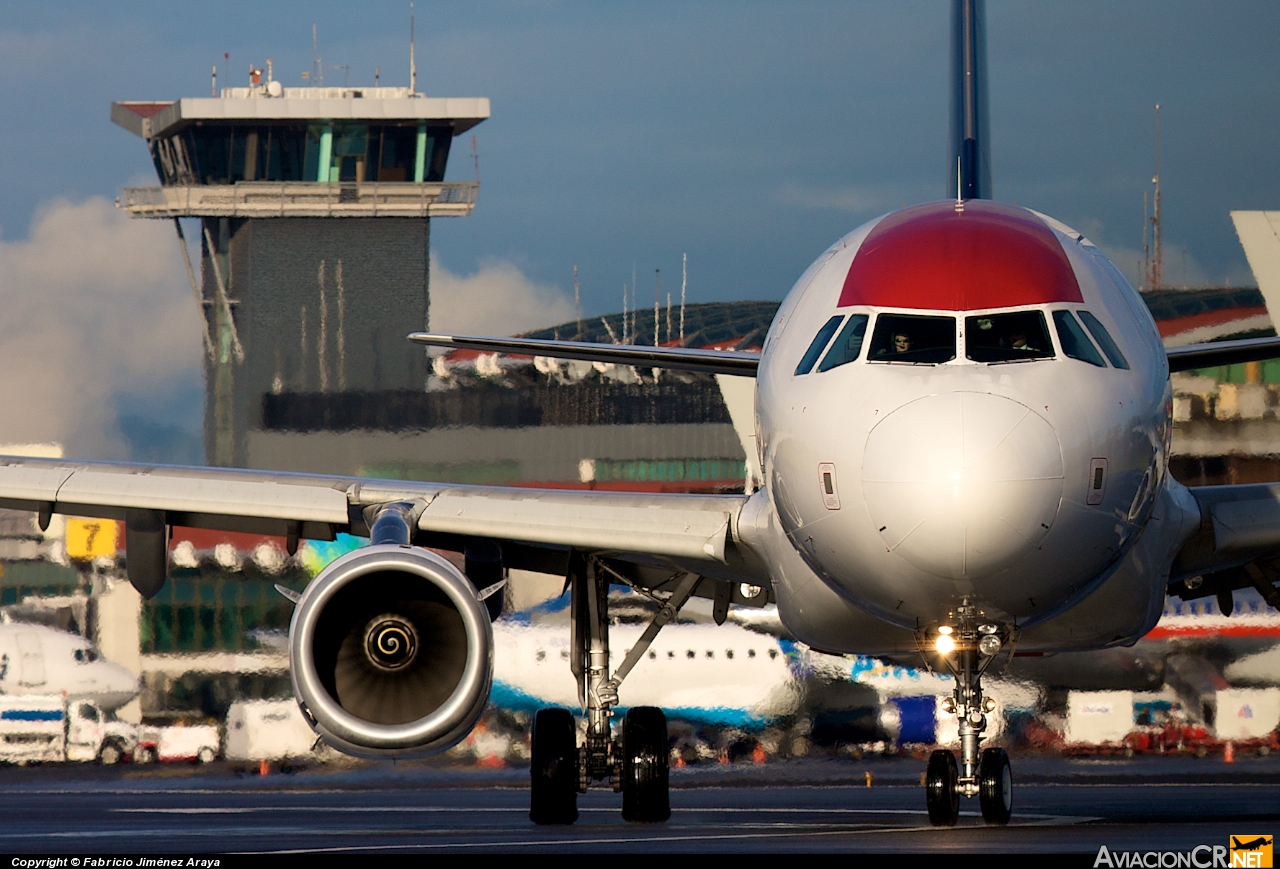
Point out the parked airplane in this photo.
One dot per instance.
(963, 414)
(36, 659)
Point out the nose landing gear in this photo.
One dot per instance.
(968, 648)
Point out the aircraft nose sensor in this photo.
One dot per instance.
(963, 484)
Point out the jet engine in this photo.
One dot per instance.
(391, 653)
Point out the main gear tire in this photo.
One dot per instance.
(553, 771)
(646, 796)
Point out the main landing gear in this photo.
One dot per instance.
(635, 764)
(968, 647)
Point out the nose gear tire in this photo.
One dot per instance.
(553, 772)
(644, 768)
(995, 786)
(941, 795)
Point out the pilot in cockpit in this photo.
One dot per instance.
(901, 342)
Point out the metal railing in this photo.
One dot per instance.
(302, 199)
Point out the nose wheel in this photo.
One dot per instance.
(967, 648)
(941, 794)
(995, 786)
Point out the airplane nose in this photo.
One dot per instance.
(962, 484)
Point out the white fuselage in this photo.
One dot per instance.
(725, 675)
(910, 485)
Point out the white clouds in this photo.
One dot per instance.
(94, 305)
(496, 300)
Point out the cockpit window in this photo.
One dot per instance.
(1013, 337)
(848, 343)
(1074, 342)
(907, 338)
(819, 344)
(1103, 337)
(86, 655)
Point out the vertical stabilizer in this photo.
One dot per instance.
(1259, 233)
(969, 141)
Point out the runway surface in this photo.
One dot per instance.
(1164, 804)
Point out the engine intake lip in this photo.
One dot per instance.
(391, 642)
(446, 724)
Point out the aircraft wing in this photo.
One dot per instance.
(690, 530)
(744, 362)
(740, 362)
(1207, 355)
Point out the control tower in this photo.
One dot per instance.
(314, 209)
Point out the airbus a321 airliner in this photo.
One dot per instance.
(963, 416)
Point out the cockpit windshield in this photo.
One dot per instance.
(1014, 337)
(909, 338)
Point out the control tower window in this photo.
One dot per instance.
(392, 151)
(909, 338)
(350, 144)
(1074, 342)
(1015, 337)
(819, 344)
(848, 345)
(1103, 337)
(439, 139)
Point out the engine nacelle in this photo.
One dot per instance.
(391, 653)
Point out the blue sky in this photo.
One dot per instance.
(748, 135)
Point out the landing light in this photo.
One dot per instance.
(989, 645)
(944, 644)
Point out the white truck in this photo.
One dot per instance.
(168, 743)
(269, 730)
(49, 727)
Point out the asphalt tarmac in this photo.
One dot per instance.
(1061, 806)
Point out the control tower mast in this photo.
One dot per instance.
(315, 207)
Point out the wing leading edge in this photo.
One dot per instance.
(738, 362)
(694, 531)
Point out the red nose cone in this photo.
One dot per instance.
(984, 256)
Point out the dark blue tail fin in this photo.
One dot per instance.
(969, 168)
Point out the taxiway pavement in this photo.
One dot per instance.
(1061, 805)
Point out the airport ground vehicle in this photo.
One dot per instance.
(169, 742)
(267, 730)
(51, 728)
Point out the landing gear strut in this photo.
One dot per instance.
(636, 765)
(968, 648)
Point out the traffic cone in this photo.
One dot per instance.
(264, 767)
(868, 778)
(757, 754)
(1229, 753)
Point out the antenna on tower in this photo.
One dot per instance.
(413, 65)
(657, 295)
(684, 285)
(475, 158)
(1155, 268)
(577, 299)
